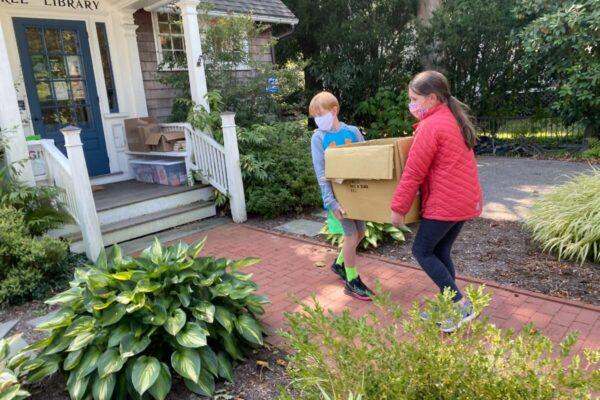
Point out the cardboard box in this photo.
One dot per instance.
(164, 141)
(364, 177)
(138, 130)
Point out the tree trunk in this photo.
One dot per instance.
(589, 133)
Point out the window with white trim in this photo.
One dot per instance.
(170, 42)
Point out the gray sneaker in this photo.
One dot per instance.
(467, 314)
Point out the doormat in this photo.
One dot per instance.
(97, 188)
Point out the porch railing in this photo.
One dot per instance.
(58, 173)
(218, 164)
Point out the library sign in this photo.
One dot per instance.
(90, 5)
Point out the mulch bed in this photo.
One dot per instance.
(500, 251)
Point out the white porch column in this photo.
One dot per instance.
(193, 50)
(10, 118)
(133, 67)
(86, 207)
(237, 198)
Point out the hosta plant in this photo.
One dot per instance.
(10, 374)
(376, 233)
(566, 220)
(128, 325)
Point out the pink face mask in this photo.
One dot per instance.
(416, 109)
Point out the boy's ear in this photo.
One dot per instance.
(335, 110)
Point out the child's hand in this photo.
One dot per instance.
(397, 219)
(339, 213)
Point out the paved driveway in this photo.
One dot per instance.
(511, 185)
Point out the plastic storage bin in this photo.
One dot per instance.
(163, 172)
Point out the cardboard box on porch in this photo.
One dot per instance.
(364, 177)
(138, 130)
(164, 141)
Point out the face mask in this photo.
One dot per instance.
(416, 109)
(324, 122)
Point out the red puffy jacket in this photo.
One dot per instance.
(441, 164)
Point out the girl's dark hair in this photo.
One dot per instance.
(428, 82)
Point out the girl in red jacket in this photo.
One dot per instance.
(441, 163)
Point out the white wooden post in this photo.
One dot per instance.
(237, 199)
(131, 64)
(193, 51)
(10, 119)
(82, 189)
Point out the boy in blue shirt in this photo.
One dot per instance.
(324, 108)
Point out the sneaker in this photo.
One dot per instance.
(467, 314)
(339, 270)
(356, 288)
(425, 316)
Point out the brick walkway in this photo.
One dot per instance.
(288, 266)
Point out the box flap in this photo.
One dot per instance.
(171, 136)
(360, 162)
(153, 139)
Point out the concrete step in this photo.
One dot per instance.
(147, 224)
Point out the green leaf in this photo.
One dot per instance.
(117, 335)
(72, 360)
(230, 345)
(205, 386)
(89, 362)
(249, 328)
(67, 297)
(112, 314)
(209, 360)
(130, 346)
(192, 336)
(204, 311)
(195, 249)
(62, 318)
(104, 387)
(122, 276)
(187, 363)
(145, 373)
(47, 368)
(125, 297)
(110, 362)
(82, 340)
(184, 295)
(225, 318)
(77, 386)
(246, 262)
(162, 386)
(60, 343)
(175, 322)
(80, 325)
(145, 286)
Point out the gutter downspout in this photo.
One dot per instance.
(278, 38)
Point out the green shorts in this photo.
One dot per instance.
(344, 227)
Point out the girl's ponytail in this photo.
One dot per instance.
(428, 82)
(463, 116)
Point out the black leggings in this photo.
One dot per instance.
(432, 247)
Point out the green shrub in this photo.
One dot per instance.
(337, 356)
(40, 205)
(376, 234)
(566, 220)
(593, 152)
(27, 263)
(128, 324)
(10, 386)
(386, 114)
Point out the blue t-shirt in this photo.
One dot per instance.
(322, 140)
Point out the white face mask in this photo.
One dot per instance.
(324, 122)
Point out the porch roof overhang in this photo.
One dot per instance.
(271, 11)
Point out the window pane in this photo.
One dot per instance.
(70, 42)
(39, 67)
(74, 66)
(177, 43)
(49, 116)
(57, 67)
(78, 90)
(163, 28)
(61, 90)
(52, 40)
(43, 91)
(109, 79)
(65, 116)
(176, 27)
(34, 40)
(165, 42)
(82, 116)
(163, 17)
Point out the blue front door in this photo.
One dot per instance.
(59, 79)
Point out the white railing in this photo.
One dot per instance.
(217, 164)
(58, 173)
(70, 174)
(204, 155)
